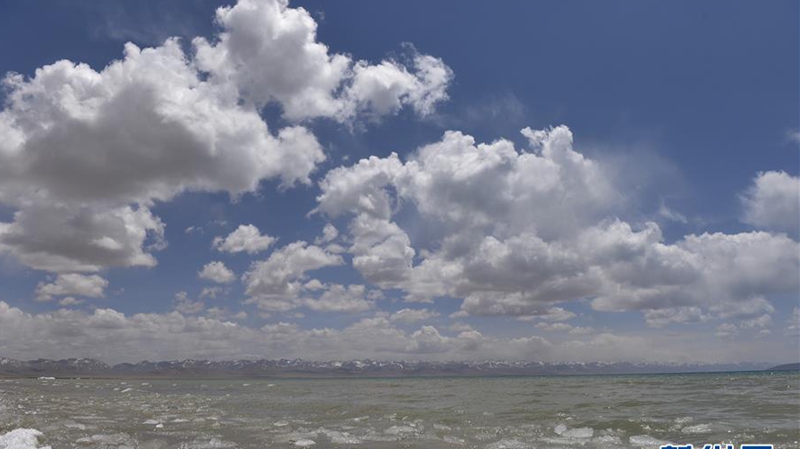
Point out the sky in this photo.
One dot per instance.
(549, 181)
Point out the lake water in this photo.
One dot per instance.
(639, 411)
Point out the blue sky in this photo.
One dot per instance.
(677, 227)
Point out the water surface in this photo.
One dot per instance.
(639, 411)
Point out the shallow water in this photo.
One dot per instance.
(641, 411)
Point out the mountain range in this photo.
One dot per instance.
(355, 368)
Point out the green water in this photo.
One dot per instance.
(493, 413)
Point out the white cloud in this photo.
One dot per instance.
(216, 271)
(115, 337)
(410, 316)
(70, 301)
(329, 234)
(84, 154)
(269, 52)
(558, 327)
(91, 286)
(682, 315)
(186, 306)
(80, 146)
(211, 292)
(276, 284)
(513, 232)
(218, 313)
(341, 299)
(773, 202)
(726, 330)
(246, 238)
(793, 323)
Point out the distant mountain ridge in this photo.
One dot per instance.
(786, 367)
(354, 368)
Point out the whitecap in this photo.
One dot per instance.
(508, 444)
(647, 441)
(338, 437)
(580, 432)
(698, 428)
(400, 430)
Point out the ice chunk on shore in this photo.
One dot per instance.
(22, 439)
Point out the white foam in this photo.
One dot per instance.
(214, 443)
(580, 432)
(305, 443)
(338, 437)
(22, 439)
(449, 439)
(647, 441)
(699, 428)
(508, 444)
(400, 430)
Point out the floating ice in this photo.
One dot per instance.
(21, 439)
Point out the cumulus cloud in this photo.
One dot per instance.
(91, 286)
(183, 304)
(211, 292)
(246, 238)
(773, 202)
(278, 283)
(269, 52)
(216, 271)
(84, 154)
(70, 301)
(340, 298)
(513, 232)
